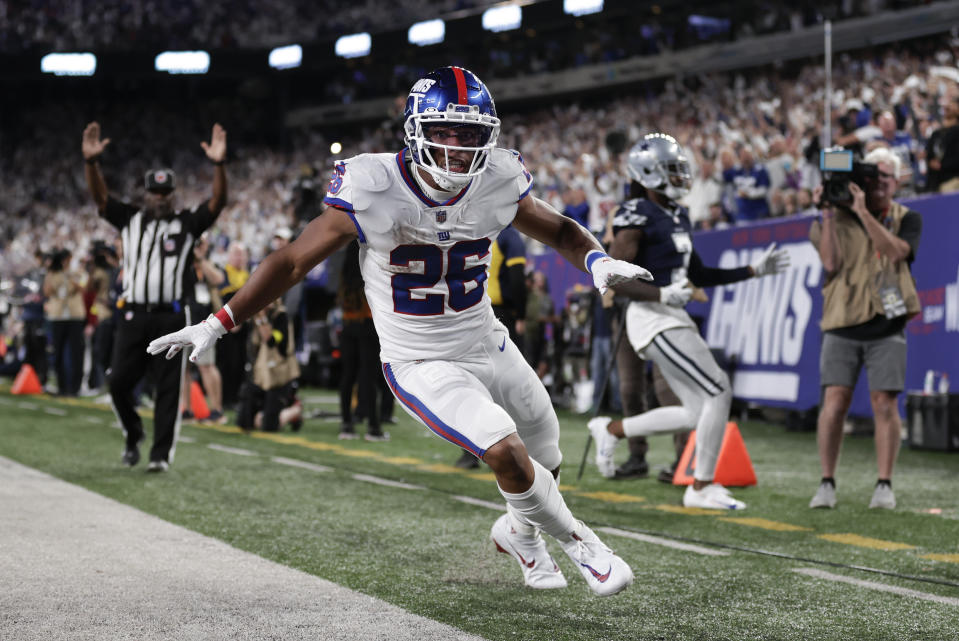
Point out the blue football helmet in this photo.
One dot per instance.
(658, 162)
(450, 103)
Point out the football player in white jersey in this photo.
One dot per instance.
(425, 219)
(656, 231)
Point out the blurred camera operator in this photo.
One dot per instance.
(869, 294)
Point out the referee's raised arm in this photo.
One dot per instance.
(216, 152)
(92, 147)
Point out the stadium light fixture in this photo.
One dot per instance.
(582, 7)
(430, 32)
(353, 45)
(183, 62)
(498, 19)
(69, 64)
(286, 57)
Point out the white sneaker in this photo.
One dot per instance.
(712, 497)
(605, 573)
(605, 445)
(539, 569)
(883, 497)
(825, 496)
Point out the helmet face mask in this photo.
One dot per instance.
(659, 164)
(451, 126)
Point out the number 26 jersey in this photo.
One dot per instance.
(425, 263)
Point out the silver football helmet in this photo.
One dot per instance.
(658, 162)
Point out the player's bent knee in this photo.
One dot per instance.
(509, 461)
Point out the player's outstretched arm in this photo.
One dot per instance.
(277, 273)
(538, 220)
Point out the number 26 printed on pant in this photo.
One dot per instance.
(458, 277)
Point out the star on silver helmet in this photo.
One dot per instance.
(659, 163)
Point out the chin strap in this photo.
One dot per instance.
(439, 195)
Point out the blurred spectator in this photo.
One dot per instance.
(103, 274)
(203, 301)
(750, 182)
(706, 190)
(231, 350)
(63, 288)
(942, 150)
(33, 317)
(360, 352)
(539, 312)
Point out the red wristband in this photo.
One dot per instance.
(224, 317)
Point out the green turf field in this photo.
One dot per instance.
(776, 571)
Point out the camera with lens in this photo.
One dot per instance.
(839, 168)
(104, 256)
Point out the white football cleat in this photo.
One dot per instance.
(605, 445)
(712, 497)
(539, 569)
(605, 573)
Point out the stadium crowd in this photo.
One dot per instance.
(755, 144)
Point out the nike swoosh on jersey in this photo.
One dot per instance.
(502, 347)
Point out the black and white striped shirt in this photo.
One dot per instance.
(157, 253)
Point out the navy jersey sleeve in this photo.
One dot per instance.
(703, 276)
(118, 213)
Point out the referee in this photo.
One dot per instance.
(157, 256)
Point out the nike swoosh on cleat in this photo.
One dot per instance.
(602, 578)
(503, 346)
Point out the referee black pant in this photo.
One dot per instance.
(136, 327)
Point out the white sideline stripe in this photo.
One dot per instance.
(94, 420)
(231, 450)
(6, 401)
(56, 411)
(27, 406)
(499, 507)
(676, 545)
(186, 439)
(872, 585)
(306, 466)
(386, 482)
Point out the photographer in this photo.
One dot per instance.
(867, 244)
(63, 288)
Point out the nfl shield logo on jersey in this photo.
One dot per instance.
(441, 216)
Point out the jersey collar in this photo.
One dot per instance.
(411, 183)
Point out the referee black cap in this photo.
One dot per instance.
(161, 181)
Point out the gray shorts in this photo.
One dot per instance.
(842, 359)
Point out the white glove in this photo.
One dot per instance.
(771, 261)
(608, 271)
(676, 294)
(201, 336)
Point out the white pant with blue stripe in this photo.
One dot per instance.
(480, 399)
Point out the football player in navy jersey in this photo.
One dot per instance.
(655, 231)
(425, 219)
